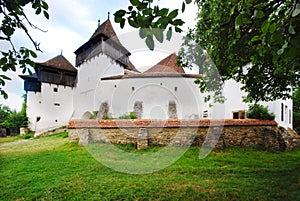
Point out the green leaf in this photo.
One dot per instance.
(135, 2)
(183, 7)
(159, 35)
(173, 14)
(118, 19)
(291, 29)
(265, 26)
(188, 1)
(143, 33)
(296, 11)
(46, 15)
(5, 77)
(120, 13)
(33, 54)
(169, 34)
(8, 31)
(255, 38)
(238, 21)
(178, 30)
(163, 12)
(272, 28)
(45, 5)
(178, 22)
(259, 14)
(122, 23)
(150, 42)
(38, 11)
(133, 23)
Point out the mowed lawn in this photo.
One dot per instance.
(51, 168)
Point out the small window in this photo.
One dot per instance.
(38, 119)
(175, 88)
(160, 84)
(132, 88)
(205, 114)
(235, 115)
(56, 104)
(56, 120)
(115, 86)
(55, 89)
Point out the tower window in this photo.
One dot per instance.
(56, 104)
(175, 88)
(55, 89)
(132, 88)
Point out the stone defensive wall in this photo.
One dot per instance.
(217, 133)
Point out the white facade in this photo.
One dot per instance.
(283, 109)
(51, 108)
(155, 93)
(88, 79)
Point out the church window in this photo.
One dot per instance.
(175, 88)
(55, 89)
(132, 88)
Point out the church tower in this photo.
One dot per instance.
(102, 55)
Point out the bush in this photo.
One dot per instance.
(257, 111)
(131, 115)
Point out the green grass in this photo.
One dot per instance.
(50, 168)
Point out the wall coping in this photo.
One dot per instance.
(147, 123)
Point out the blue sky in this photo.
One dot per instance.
(71, 24)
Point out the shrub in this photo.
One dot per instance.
(131, 115)
(257, 111)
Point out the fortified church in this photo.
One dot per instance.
(105, 84)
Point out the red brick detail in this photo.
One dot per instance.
(146, 123)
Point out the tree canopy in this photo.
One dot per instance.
(235, 33)
(14, 18)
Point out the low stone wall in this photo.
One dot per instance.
(244, 133)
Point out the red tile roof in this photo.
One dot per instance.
(167, 65)
(59, 62)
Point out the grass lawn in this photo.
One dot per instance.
(50, 168)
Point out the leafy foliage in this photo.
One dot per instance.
(296, 110)
(151, 21)
(131, 115)
(13, 119)
(14, 18)
(236, 33)
(257, 111)
(263, 33)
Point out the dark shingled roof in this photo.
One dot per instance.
(60, 63)
(167, 65)
(107, 30)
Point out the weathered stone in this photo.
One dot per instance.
(172, 110)
(138, 109)
(142, 139)
(103, 111)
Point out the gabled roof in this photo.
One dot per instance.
(167, 65)
(60, 63)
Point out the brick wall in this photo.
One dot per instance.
(242, 132)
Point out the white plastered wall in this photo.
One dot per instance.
(53, 109)
(155, 93)
(89, 74)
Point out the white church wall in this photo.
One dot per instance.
(155, 94)
(234, 102)
(89, 74)
(51, 108)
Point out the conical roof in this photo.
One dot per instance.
(167, 65)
